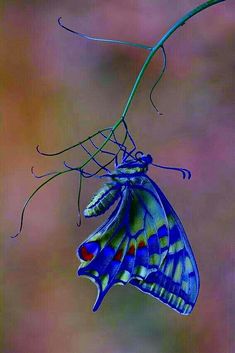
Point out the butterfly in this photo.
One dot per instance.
(142, 242)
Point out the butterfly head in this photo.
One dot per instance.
(145, 159)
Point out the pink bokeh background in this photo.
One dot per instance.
(57, 89)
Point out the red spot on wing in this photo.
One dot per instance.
(118, 255)
(86, 255)
(141, 244)
(131, 250)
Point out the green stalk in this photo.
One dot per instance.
(153, 51)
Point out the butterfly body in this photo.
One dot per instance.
(142, 242)
(109, 192)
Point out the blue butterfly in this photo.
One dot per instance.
(142, 242)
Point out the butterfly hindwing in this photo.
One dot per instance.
(176, 281)
(108, 244)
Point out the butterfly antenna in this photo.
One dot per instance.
(158, 80)
(185, 172)
(96, 39)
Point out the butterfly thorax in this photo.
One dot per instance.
(131, 168)
(129, 172)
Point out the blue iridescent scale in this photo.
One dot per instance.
(142, 242)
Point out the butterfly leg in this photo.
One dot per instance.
(102, 150)
(121, 147)
(102, 167)
(130, 137)
(115, 158)
(132, 142)
(114, 140)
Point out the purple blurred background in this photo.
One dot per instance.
(57, 89)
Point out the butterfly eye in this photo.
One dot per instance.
(145, 159)
(148, 159)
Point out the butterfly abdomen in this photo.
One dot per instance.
(103, 200)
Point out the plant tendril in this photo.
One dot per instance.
(31, 196)
(46, 154)
(96, 39)
(79, 222)
(158, 80)
(43, 175)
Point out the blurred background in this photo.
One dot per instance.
(57, 89)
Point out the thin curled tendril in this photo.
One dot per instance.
(158, 80)
(31, 196)
(79, 170)
(79, 222)
(96, 39)
(41, 175)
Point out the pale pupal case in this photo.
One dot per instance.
(103, 199)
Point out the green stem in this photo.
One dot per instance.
(159, 44)
(153, 51)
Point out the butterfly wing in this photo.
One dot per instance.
(176, 281)
(120, 249)
(101, 253)
(143, 242)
